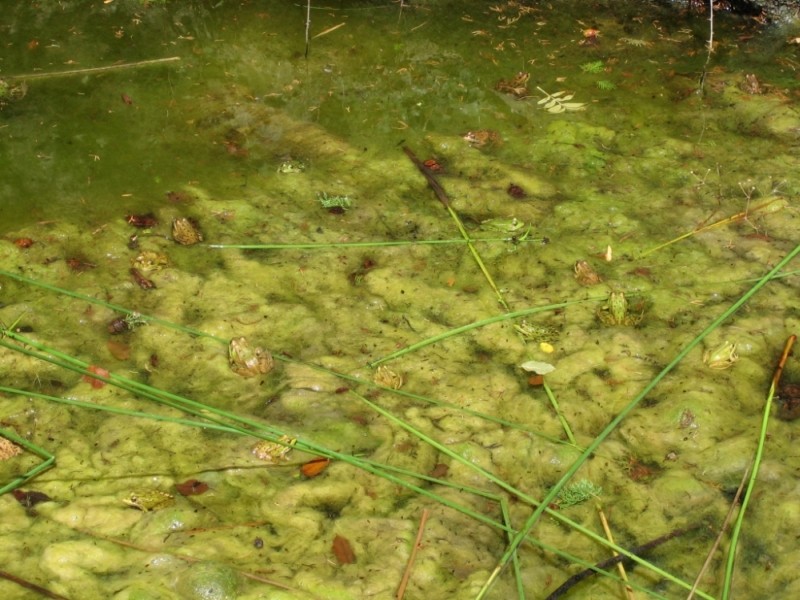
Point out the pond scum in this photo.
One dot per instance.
(530, 355)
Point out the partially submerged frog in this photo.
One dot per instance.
(585, 274)
(617, 311)
(247, 360)
(291, 166)
(148, 499)
(512, 225)
(516, 86)
(149, 261)
(185, 232)
(721, 357)
(273, 452)
(387, 378)
(483, 137)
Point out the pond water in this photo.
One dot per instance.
(229, 220)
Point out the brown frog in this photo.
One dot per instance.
(186, 232)
(516, 86)
(483, 137)
(751, 84)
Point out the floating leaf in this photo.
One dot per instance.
(558, 102)
(343, 550)
(29, 499)
(315, 466)
(538, 367)
(191, 487)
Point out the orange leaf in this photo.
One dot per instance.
(343, 550)
(315, 466)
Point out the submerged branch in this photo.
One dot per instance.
(619, 558)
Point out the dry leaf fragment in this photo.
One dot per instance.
(8, 449)
(343, 550)
(191, 487)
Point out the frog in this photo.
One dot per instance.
(481, 138)
(185, 232)
(291, 166)
(247, 360)
(387, 378)
(274, 452)
(516, 86)
(617, 311)
(512, 225)
(148, 500)
(751, 84)
(585, 274)
(722, 357)
(538, 333)
(149, 261)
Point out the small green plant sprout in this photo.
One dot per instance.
(596, 66)
(326, 201)
(606, 85)
(559, 102)
(578, 492)
(134, 320)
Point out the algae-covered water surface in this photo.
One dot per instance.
(389, 300)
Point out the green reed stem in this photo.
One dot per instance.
(109, 305)
(48, 461)
(591, 448)
(558, 516)
(323, 246)
(751, 484)
(474, 325)
(560, 415)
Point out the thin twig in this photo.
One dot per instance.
(308, 23)
(93, 70)
(620, 566)
(619, 558)
(718, 541)
(401, 589)
(328, 30)
(31, 586)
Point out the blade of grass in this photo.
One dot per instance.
(47, 462)
(592, 447)
(323, 246)
(560, 415)
(443, 198)
(474, 325)
(520, 495)
(751, 483)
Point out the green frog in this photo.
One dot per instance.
(291, 166)
(511, 226)
(617, 311)
(274, 452)
(149, 261)
(247, 360)
(722, 357)
(148, 500)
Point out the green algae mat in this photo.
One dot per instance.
(379, 300)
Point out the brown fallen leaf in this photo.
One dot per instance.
(343, 550)
(119, 350)
(191, 487)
